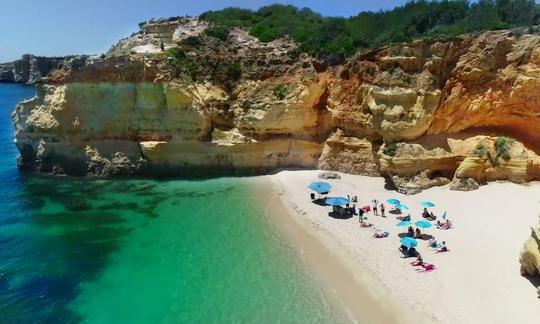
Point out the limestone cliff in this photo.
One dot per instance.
(423, 113)
(29, 68)
(530, 255)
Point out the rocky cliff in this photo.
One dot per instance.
(29, 68)
(464, 110)
(530, 256)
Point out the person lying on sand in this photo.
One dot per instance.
(365, 224)
(405, 218)
(443, 248)
(426, 267)
(418, 262)
(445, 226)
(381, 234)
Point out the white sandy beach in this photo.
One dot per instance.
(478, 281)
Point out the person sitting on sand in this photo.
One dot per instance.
(443, 248)
(355, 199)
(425, 213)
(432, 243)
(418, 234)
(403, 249)
(432, 216)
(410, 232)
(418, 262)
(381, 234)
(412, 253)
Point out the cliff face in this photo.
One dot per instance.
(29, 68)
(530, 255)
(426, 112)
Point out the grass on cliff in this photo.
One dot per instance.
(333, 38)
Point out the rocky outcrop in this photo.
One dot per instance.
(413, 112)
(29, 68)
(530, 255)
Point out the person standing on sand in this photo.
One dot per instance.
(375, 203)
(382, 210)
(361, 215)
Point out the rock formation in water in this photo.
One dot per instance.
(464, 110)
(29, 68)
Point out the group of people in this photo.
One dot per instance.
(376, 207)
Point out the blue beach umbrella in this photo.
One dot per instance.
(336, 201)
(393, 201)
(320, 187)
(401, 207)
(409, 242)
(427, 204)
(423, 224)
(404, 223)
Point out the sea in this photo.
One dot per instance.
(94, 250)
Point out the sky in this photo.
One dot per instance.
(64, 27)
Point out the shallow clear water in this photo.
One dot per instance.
(141, 251)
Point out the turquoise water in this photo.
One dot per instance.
(141, 251)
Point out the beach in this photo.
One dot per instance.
(477, 281)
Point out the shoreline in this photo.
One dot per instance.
(477, 281)
(353, 296)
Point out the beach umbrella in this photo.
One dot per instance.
(320, 187)
(427, 204)
(409, 242)
(404, 223)
(393, 201)
(423, 224)
(336, 201)
(401, 206)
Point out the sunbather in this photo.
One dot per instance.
(418, 262)
(365, 224)
(410, 232)
(433, 243)
(381, 234)
(446, 225)
(432, 216)
(418, 234)
(425, 213)
(443, 248)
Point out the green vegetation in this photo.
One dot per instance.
(501, 147)
(390, 149)
(281, 91)
(219, 32)
(334, 38)
(182, 63)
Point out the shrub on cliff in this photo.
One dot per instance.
(501, 150)
(281, 91)
(390, 149)
(219, 32)
(182, 63)
(337, 37)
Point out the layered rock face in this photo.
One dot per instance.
(424, 113)
(29, 68)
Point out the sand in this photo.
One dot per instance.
(478, 281)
